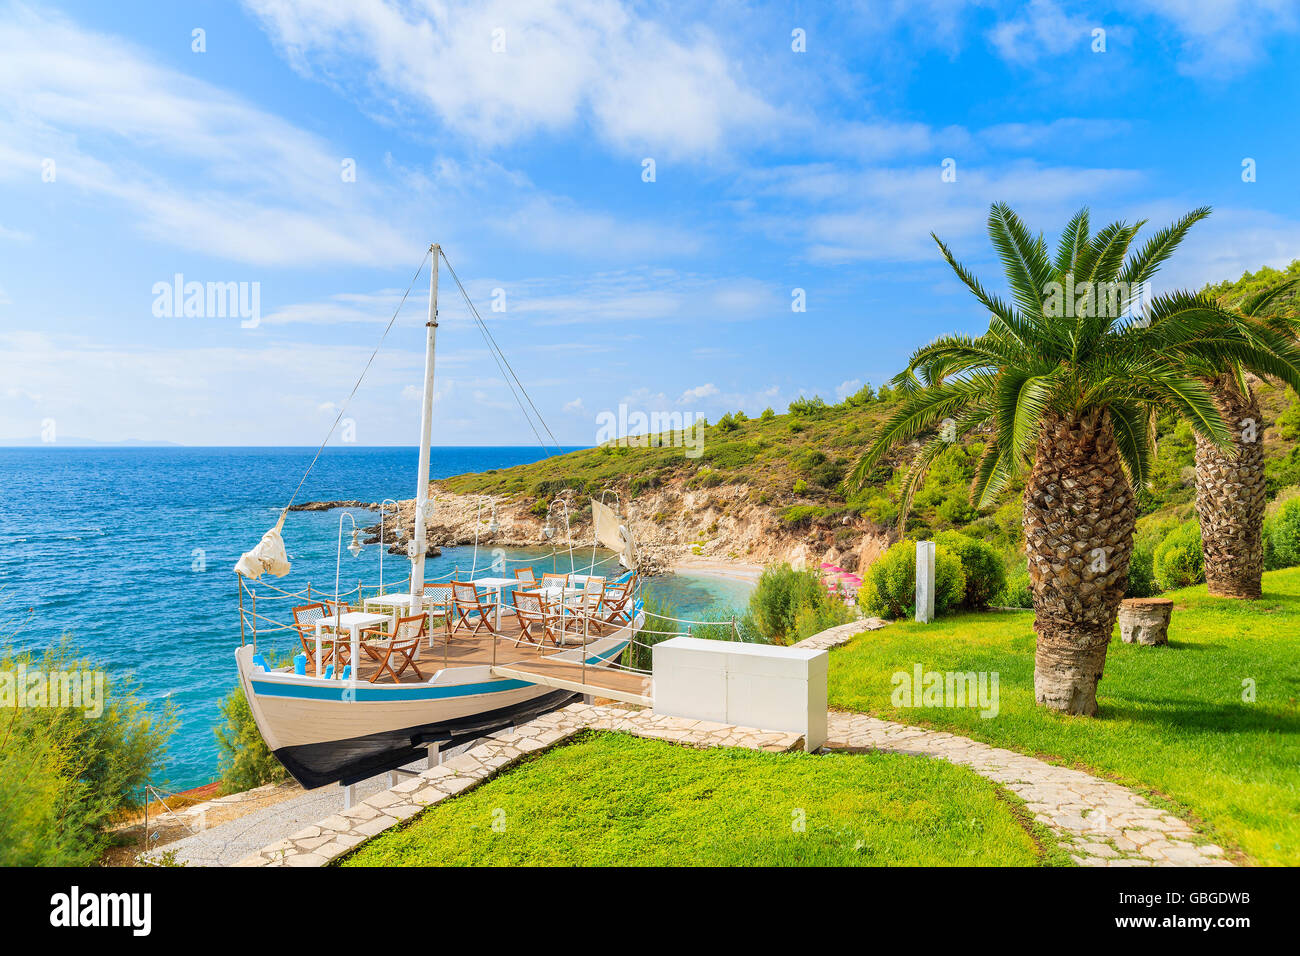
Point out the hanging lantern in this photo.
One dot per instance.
(355, 545)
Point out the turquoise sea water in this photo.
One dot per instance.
(132, 551)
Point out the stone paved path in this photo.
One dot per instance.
(334, 836)
(1098, 822)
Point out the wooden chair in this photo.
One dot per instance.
(616, 602)
(304, 620)
(526, 577)
(403, 644)
(550, 580)
(470, 609)
(588, 603)
(536, 617)
(438, 602)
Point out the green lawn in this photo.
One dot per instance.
(1173, 720)
(612, 799)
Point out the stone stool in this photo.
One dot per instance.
(1145, 620)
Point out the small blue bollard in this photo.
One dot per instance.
(300, 665)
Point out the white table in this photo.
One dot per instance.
(398, 603)
(497, 586)
(353, 621)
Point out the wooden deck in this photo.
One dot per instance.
(518, 661)
(626, 686)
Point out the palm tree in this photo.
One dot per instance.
(1230, 491)
(1068, 381)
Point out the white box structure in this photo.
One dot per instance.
(925, 581)
(750, 685)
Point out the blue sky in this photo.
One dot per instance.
(126, 157)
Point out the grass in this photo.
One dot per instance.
(1173, 720)
(612, 799)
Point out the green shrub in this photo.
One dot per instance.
(66, 775)
(1017, 592)
(1141, 572)
(986, 573)
(778, 597)
(724, 624)
(1282, 537)
(657, 627)
(890, 588)
(813, 619)
(245, 760)
(1178, 559)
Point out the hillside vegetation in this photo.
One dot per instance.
(795, 464)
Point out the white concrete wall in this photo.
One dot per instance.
(925, 557)
(751, 685)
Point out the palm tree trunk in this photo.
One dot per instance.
(1079, 517)
(1230, 496)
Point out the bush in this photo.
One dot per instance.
(657, 627)
(986, 573)
(1178, 560)
(1282, 537)
(779, 596)
(719, 627)
(813, 619)
(245, 760)
(1141, 572)
(890, 588)
(1017, 592)
(65, 775)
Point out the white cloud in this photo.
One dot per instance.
(698, 393)
(110, 118)
(1225, 37)
(845, 389)
(878, 214)
(1041, 29)
(496, 71)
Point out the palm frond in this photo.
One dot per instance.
(1132, 426)
(1073, 238)
(1143, 265)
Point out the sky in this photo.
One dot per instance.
(638, 197)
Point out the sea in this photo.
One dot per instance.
(131, 551)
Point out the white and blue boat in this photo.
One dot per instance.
(326, 728)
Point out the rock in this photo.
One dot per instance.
(1145, 620)
(328, 505)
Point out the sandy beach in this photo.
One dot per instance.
(740, 570)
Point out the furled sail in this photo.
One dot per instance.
(268, 557)
(613, 533)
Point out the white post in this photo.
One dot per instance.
(426, 431)
(925, 581)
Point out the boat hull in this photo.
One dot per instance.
(326, 731)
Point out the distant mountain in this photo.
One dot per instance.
(85, 443)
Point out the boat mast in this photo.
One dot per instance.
(426, 430)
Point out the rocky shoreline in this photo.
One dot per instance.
(714, 530)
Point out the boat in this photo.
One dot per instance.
(342, 728)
